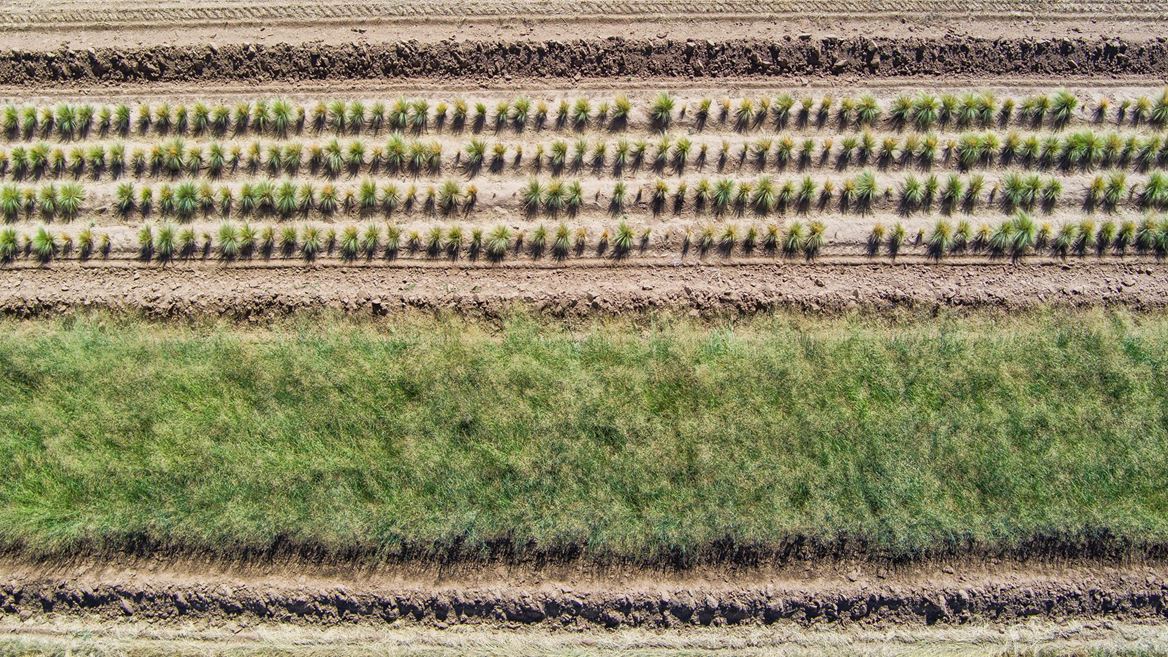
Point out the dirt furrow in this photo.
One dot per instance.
(953, 597)
(785, 58)
(580, 289)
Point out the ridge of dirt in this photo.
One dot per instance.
(952, 596)
(790, 56)
(579, 289)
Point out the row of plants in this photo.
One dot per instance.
(1017, 237)
(1022, 235)
(175, 158)
(49, 201)
(234, 241)
(1081, 150)
(281, 117)
(763, 195)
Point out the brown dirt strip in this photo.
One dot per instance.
(786, 58)
(998, 593)
(579, 289)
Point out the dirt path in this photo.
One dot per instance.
(590, 287)
(81, 25)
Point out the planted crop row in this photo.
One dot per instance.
(1081, 150)
(1022, 235)
(281, 117)
(1017, 237)
(763, 195)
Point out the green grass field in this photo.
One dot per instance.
(630, 438)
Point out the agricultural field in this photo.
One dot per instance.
(786, 328)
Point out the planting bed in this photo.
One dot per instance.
(776, 327)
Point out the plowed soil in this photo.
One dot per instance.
(580, 289)
(917, 596)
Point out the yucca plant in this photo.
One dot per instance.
(581, 112)
(228, 241)
(661, 111)
(1146, 236)
(311, 242)
(497, 243)
(288, 241)
(1105, 237)
(9, 246)
(926, 111)
(10, 202)
(912, 193)
(816, 238)
(876, 238)
(327, 201)
(896, 238)
(621, 108)
(1114, 190)
(562, 242)
(47, 201)
(1155, 192)
(532, 195)
(940, 240)
(350, 243)
(148, 246)
(622, 240)
(618, 197)
(794, 239)
(43, 245)
(1062, 107)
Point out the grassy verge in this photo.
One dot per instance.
(627, 439)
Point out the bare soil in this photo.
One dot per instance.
(791, 56)
(582, 288)
(938, 593)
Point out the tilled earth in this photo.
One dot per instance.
(872, 598)
(579, 289)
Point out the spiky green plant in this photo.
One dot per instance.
(562, 242)
(350, 243)
(581, 111)
(47, 201)
(1062, 107)
(940, 240)
(661, 110)
(497, 242)
(816, 238)
(1155, 192)
(228, 240)
(622, 240)
(311, 242)
(43, 244)
(618, 196)
(533, 195)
